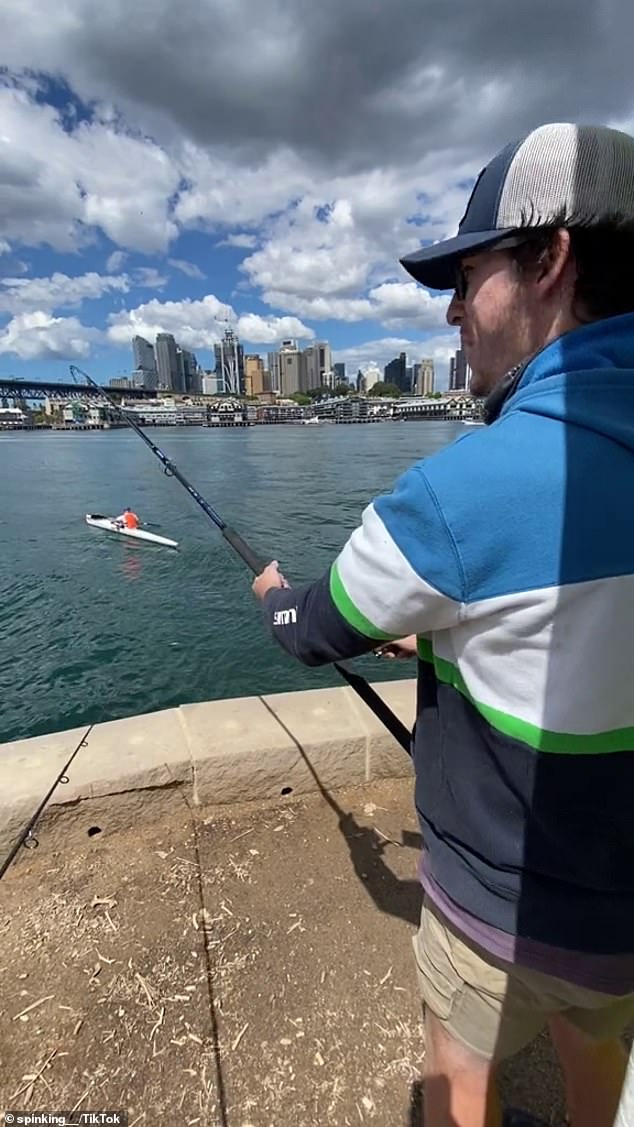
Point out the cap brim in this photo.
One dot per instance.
(435, 266)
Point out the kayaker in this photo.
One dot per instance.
(128, 519)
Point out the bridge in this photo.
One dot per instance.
(40, 389)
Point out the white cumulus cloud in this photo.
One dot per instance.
(271, 330)
(200, 324)
(40, 336)
(57, 186)
(59, 291)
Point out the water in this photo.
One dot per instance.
(94, 627)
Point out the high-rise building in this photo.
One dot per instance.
(324, 360)
(143, 353)
(396, 372)
(458, 372)
(254, 375)
(209, 384)
(317, 364)
(424, 377)
(371, 376)
(145, 373)
(309, 368)
(230, 363)
(167, 362)
(339, 370)
(190, 376)
(292, 368)
(273, 361)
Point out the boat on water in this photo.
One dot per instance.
(472, 423)
(109, 524)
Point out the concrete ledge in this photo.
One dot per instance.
(216, 752)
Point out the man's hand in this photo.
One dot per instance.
(402, 648)
(271, 577)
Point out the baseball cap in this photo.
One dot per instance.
(564, 174)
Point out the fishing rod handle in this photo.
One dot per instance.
(244, 551)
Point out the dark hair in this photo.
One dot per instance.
(604, 256)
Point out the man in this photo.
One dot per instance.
(510, 554)
(128, 519)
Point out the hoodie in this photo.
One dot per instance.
(510, 554)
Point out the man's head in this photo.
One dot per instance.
(546, 243)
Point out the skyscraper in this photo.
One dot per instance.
(424, 377)
(144, 363)
(273, 361)
(371, 376)
(310, 368)
(254, 375)
(458, 372)
(396, 372)
(317, 363)
(324, 360)
(292, 368)
(340, 372)
(143, 353)
(167, 362)
(230, 363)
(190, 378)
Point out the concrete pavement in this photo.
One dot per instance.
(239, 966)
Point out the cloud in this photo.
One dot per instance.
(239, 240)
(396, 305)
(148, 278)
(401, 305)
(57, 187)
(57, 292)
(339, 135)
(200, 324)
(271, 330)
(345, 83)
(39, 336)
(330, 253)
(115, 261)
(188, 268)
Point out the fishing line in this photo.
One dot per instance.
(363, 689)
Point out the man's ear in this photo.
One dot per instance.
(554, 261)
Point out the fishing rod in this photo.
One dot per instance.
(253, 561)
(26, 837)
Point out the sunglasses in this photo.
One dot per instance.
(461, 282)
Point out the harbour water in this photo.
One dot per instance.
(94, 627)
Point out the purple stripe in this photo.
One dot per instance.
(607, 974)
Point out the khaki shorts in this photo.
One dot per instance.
(496, 1008)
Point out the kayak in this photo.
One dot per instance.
(108, 524)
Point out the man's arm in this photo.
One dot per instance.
(398, 574)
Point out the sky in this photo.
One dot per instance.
(264, 164)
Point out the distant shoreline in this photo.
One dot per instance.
(229, 425)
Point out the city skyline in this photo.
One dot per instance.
(288, 371)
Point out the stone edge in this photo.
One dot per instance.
(215, 752)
